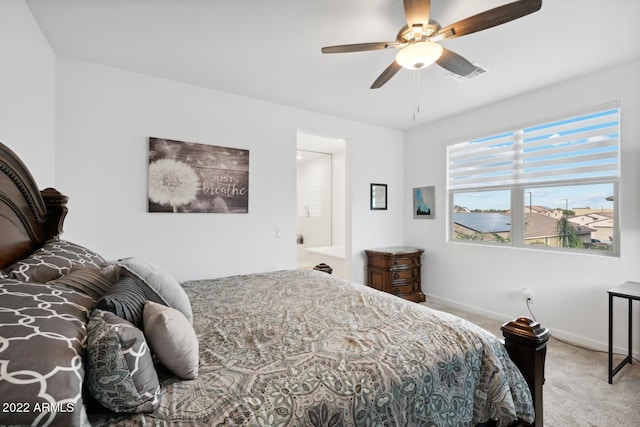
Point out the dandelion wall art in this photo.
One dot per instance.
(192, 177)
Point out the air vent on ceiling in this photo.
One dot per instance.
(472, 75)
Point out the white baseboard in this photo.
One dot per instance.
(559, 334)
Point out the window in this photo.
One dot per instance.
(552, 185)
(482, 216)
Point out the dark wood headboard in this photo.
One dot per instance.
(28, 216)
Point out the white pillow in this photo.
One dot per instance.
(172, 339)
(157, 284)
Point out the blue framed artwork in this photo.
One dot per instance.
(424, 202)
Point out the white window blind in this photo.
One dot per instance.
(579, 148)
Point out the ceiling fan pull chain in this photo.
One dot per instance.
(416, 93)
(413, 109)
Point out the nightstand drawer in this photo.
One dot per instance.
(405, 262)
(406, 274)
(406, 289)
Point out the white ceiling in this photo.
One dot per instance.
(270, 49)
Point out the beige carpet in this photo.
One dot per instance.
(576, 391)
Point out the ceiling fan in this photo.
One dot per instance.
(418, 39)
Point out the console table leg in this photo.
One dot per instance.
(630, 291)
(630, 330)
(610, 339)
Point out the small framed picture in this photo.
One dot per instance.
(378, 196)
(424, 205)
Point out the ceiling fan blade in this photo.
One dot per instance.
(386, 75)
(417, 12)
(358, 47)
(455, 63)
(490, 18)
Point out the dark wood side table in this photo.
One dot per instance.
(396, 270)
(630, 291)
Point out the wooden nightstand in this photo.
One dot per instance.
(396, 270)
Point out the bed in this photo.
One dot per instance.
(88, 341)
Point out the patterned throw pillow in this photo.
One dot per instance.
(42, 329)
(120, 372)
(84, 279)
(53, 260)
(157, 284)
(172, 339)
(125, 299)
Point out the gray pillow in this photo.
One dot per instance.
(172, 339)
(84, 279)
(157, 284)
(120, 372)
(125, 299)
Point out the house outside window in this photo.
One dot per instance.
(552, 185)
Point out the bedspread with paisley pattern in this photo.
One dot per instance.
(303, 348)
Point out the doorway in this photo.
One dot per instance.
(321, 203)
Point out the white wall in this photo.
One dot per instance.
(338, 169)
(570, 290)
(27, 90)
(104, 119)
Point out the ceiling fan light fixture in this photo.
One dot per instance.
(419, 55)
